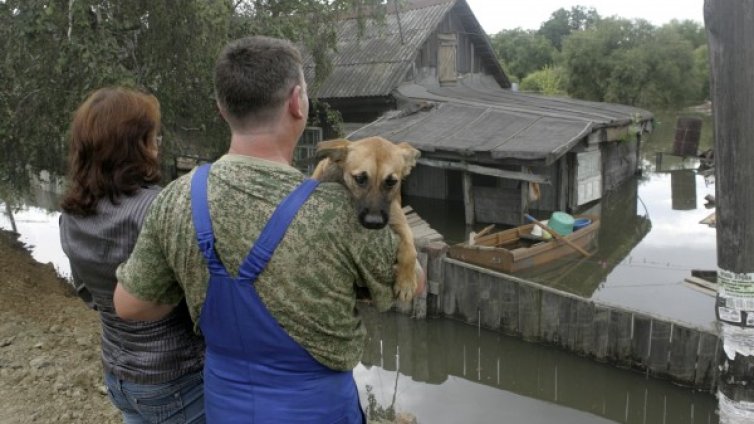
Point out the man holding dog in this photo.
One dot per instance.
(279, 320)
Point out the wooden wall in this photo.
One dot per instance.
(433, 183)
(661, 348)
(501, 204)
(426, 181)
(619, 162)
(550, 194)
(467, 58)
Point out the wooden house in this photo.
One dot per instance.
(428, 75)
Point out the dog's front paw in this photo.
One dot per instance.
(405, 283)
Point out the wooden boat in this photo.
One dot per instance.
(517, 249)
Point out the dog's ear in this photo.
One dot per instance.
(336, 150)
(410, 155)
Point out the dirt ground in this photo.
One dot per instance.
(50, 369)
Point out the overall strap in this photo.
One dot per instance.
(202, 222)
(274, 230)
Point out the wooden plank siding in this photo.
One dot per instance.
(619, 162)
(664, 349)
(427, 63)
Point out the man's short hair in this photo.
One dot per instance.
(254, 76)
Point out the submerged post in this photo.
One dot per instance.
(730, 29)
(9, 212)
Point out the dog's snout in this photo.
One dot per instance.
(373, 220)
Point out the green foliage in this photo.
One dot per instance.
(548, 80)
(522, 52)
(323, 116)
(312, 23)
(701, 65)
(691, 31)
(634, 63)
(563, 22)
(54, 52)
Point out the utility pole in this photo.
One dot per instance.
(730, 31)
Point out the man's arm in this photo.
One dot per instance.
(147, 289)
(130, 307)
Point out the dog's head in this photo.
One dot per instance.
(372, 171)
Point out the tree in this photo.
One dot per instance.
(54, 52)
(631, 62)
(691, 31)
(563, 22)
(547, 80)
(661, 74)
(702, 66)
(522, 52)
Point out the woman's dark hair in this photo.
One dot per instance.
(112, 149)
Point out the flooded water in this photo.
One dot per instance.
(444, 371)
(649, 240)
(36, 220)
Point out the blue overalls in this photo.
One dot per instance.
(254, 372)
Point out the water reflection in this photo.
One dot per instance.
(683, 189)
(621, 229)
(649, 240)
(34, 214)
(444, 371)
(38, 229)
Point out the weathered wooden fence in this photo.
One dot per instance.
(662, 348)
(671, 350)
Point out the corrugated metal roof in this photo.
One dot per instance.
(479, 117)
(376, 61)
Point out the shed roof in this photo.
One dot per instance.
(376, 61)
(478, 117)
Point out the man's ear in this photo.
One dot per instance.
(410, 155)
(221, 111)
(336, 150)
(295, 103)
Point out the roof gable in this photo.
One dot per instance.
(376, 62)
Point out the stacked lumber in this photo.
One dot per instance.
(423, 233)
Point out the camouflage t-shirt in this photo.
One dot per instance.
(308, 285)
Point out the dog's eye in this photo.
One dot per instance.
(391, 182)
(361, 179)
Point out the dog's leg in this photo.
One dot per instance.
(405, 273)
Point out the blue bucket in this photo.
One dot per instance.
(580, 223)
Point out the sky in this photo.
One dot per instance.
(497, 15)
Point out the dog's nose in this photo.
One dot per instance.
(373, 221)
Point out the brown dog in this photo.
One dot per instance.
(372, 170)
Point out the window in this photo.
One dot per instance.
(304, 157)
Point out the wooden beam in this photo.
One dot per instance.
(730, 27)
(468, 198)
(562, 189)
(484, 170)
